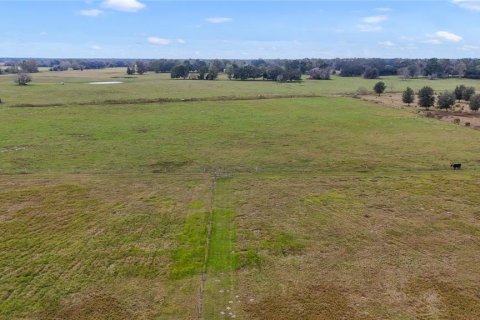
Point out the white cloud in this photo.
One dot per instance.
(468, 4)
(433, 41)
(448, 36)
(181, 41)
(158, 41)
(91, 13)
(123, 5)
(94, 47)
(383, 9)
(443, 36)
(375, 19)
(218, 19)
(369, 28)
(469, 48)
(387, 44)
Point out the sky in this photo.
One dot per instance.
(240, 29)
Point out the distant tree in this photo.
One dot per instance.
(130, 71)
(218, 65)
(426, 97)
(320, 74)
(141, 67)
(460, 68)
(22, 79)
(475, 102)
(179, 71)
(371, 73)
(12, 69)
(433, 68)
(230, 70)
(468, 93)
(404, 73)
(351, 70)
(408, 96)
(202, 71)
(446, 100)
(273, 72)
(379, 87)
(212, 72)
(459, 91)
(29, 66)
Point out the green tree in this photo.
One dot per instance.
(130, 71)
(179, 71)
(468, 93)
(141, 67)
(29, 66)
(408, 96)
(475, 102)
(426, 97)
(371, 73)
(459, 91)
(446, 100)
(379, 87)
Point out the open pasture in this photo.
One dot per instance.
(294, 208)
(46, 88)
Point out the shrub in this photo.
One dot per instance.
(362, 91)
(446, 100)
(408, 96)
(468, 93)
(475, 102)
(426, 97)
(379, 87)
(22, 79)
(456, 120)
(467, 124)
(459, 91)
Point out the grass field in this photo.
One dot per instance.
(46, 87)
(294, 208)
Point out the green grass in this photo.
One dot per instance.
(325, 208)
(46, 87)
(322, 134)
(64, 239)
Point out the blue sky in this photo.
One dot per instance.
(240, 29)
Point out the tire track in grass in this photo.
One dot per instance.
(219, 298)
(203, 279)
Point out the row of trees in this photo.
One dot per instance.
(445, 100)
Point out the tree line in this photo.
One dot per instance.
(367, 67)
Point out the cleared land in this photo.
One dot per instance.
(46, 87)
(312, 208)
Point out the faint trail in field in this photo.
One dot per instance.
(203, 279)
(167, 100)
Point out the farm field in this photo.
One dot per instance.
(46, 88)
(283, 208)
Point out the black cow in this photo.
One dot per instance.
(456, 166)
